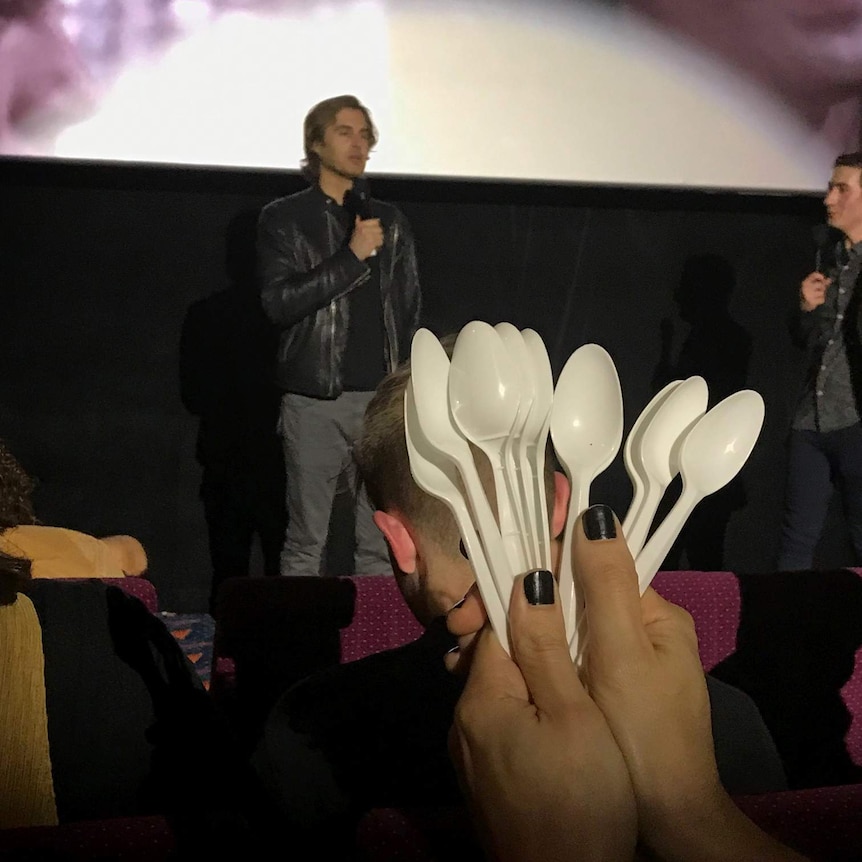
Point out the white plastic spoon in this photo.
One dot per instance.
(672, 419)
(429, 374)
(513, 449)
(484, 397)
(438, 477)
(587, 429)
(712, 453)
(535, 438)
(632, 456)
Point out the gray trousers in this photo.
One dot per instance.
(318, 438)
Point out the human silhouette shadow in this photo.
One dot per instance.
(227, 355)
(796, 643)
(717, 348)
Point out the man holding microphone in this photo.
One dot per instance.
(826, 436)
(338, 276)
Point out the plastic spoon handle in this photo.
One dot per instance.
(430, 369)
(638, 529)
(632, 455)
(566, 578)
(656, 549)
(438, 480)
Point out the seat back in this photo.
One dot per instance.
(381, 619)
(793, 642)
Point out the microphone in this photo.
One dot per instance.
(357, 201)
(825, 239)
(360, 197)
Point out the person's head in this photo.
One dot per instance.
(15, 490)
(15, 572)
(424, 543)
(338, 138)
(844, 197)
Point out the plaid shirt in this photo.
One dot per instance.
(828, 403)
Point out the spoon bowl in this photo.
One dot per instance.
(713, 452)
(429, 375)
(586, 429)
(669, 424)
(518, 474)
(484, 398)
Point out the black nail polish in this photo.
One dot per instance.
(463, 550)
(539, 587)
(453, 650)
(599, 523)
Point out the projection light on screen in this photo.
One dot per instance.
(552, 92)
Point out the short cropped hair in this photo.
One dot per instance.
(318, 120)
(850, 160)
(384, 465)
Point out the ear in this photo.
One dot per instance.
(562, 492)
(398, 537)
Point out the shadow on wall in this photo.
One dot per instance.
(717, 348)
(226, 367)
(796, 647)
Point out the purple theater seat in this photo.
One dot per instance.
(127, 839)
(381, 619)
(140, 588)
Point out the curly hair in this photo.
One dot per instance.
(14, 574)
(16, 487)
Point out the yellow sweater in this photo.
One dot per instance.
(26, 785)
(60, 553)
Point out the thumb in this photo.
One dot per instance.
(539, 643)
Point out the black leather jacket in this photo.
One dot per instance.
(307, 272)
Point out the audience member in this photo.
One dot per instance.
(557, 769)
(26, 785)
(825, 441)
(102, 716)
(374, 733)
(57, 552)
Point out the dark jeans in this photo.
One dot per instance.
(818, 463)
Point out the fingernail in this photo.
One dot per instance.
(599, 523)
(539, 587)
(453, 650)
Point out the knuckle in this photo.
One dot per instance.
(542, 645)
(610, 573)
(470, 714)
